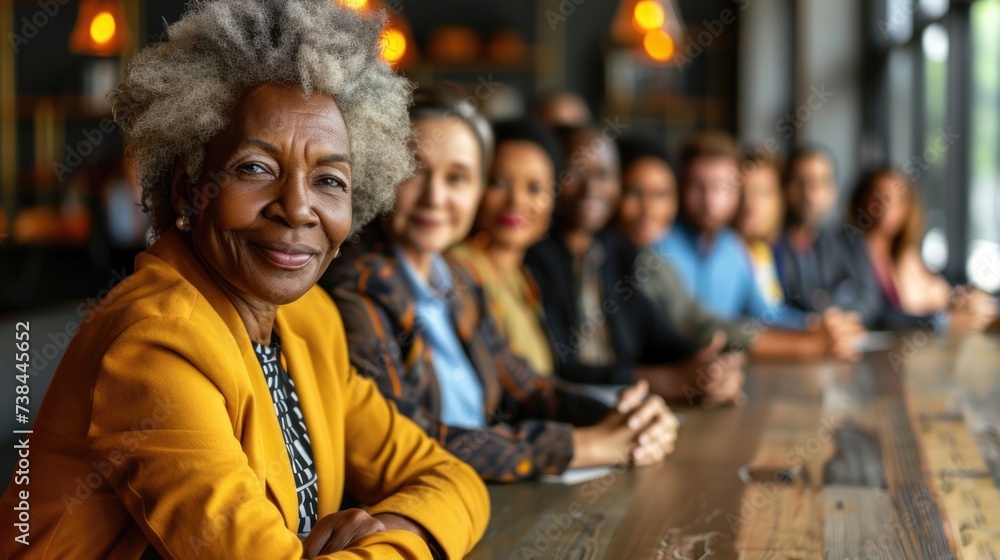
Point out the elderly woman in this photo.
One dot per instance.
(421, 327)
(207, 408)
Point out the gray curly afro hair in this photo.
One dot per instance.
(177, 94)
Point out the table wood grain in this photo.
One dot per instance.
(897, 456)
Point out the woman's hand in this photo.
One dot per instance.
(651, 420)
(725, 381)
(641, 431)
(711, 381)
(337, 531)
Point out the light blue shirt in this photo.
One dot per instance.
(720, 276)
(462, 401)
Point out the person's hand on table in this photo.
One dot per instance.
(641, 429)
(709, 377)
(840, 332)
(337, 531)
(971, 309)
(718, 377)
(651, 420)
(725, 381)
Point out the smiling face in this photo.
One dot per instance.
(276, 191)
(649, 201)
(435, 208)
(517, 207)
(711, 192)
(591, 186)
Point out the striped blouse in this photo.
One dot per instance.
(293, 428)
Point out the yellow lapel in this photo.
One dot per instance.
(310, 390)
(276, 471)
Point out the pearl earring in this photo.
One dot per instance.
(183, 223)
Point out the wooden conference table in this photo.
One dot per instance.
(895, 457)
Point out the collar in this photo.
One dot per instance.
(172, 249)
(439, 286)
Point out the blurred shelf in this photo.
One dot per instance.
(69, 106)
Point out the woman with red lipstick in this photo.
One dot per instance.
(421, 327)
(515, 213)
(208, 402)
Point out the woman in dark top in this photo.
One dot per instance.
(885, 228)
(605, 330)
(420, 327)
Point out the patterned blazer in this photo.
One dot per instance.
(528, 430)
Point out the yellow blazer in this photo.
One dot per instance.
(158, 428)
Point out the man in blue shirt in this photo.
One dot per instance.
(711, 259)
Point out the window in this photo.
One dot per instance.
(927, 104)
(983, 265)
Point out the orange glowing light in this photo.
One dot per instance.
(353, 4)
(393, 45)
(648, 15)
(102, 27)
(658, 45)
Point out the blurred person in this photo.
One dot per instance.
(562, 108)
(647, 211)
(208, 402)
(886, 226)
(760, 219)
(504, 104)
(816, 264)
(127, 225)
(514, 214)
(421, 327)
(605, 330)
(711, 259)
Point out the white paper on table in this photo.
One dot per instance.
(576, 476)
(606, 394)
